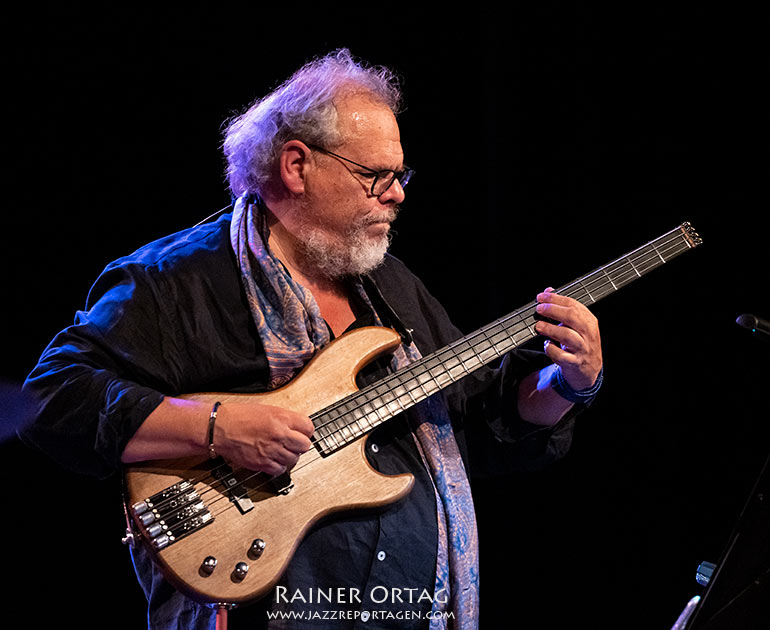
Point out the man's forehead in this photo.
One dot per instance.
(361, 115)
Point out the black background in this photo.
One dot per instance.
(548, 139)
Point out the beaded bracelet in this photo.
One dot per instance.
(565, 390)
(212, 420)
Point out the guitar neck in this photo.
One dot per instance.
(356, 415)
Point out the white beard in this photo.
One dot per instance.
(352, 254)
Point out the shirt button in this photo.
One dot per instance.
(365, 616)
(375, 448)
(381, 556)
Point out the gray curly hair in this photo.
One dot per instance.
(302, 108)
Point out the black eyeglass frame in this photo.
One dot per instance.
(403, 176)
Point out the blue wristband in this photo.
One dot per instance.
(565, 390)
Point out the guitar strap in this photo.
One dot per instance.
(381, 306)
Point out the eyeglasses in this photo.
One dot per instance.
(382, 180)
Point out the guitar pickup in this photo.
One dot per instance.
(234, 488)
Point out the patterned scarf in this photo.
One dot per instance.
(292, 330)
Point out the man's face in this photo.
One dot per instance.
(343, 228)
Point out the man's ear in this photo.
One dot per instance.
(292, 166)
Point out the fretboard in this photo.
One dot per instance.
(350, 418)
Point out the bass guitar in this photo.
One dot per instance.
(221, 535)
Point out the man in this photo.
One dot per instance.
(241, 304)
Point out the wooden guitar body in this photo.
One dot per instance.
(343, 480)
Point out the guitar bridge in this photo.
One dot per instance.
(171, 514)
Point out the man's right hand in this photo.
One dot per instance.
(261, 437)
(246, 434)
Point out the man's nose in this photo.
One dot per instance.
(394, 194)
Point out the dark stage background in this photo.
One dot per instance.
(548, 140)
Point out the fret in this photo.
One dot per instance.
(356, 420)
(469, 358)
(465, 367)
(414, 382)
(505, 343)
(406, 399)
(606, 290)
(524, 336)
(384, 393)
(477, 360)
(485, 350)
(594, 286)
(392, 403)
(339, 423)
(579, 294)
(634, 268)
(324, 429)
(376, 412)
(646, 256)
(486, 355)
(646, 266)
(428, 389)
(679, 245)
(431, 362)
(649, 263)
(363, 411)
(496, 342)
(600, 284)
(452, 374)
(393, 408)
(442, 379)
(364, 417)
(462, 365)
(613, 275)
(521, 330)
(349, 429)
(487, 340)
(421, 384)
(412, 399)
(604, 271)
(591, 297)
(531, 328)
(663, 260)
(452, 363)
(344, 431)
(331, 436)
(624, 274)
(399, 392)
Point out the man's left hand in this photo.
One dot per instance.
(578, 350)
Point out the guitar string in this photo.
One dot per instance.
(485, 332)
(579, 285)
(657, 247)
(488, 333)
(642, 263)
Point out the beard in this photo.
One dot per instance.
(351, 253)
